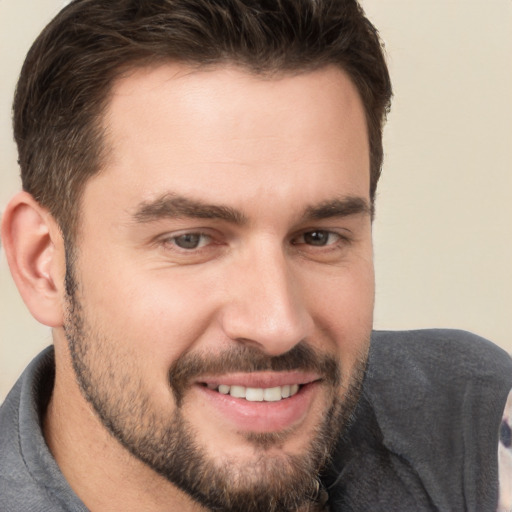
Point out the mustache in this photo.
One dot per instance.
(248, 359)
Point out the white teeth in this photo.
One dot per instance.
(224, 389)
(257, 394)
(237, 391)
(272, 394)
(254, 394)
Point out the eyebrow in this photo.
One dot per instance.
(176, 206)
(339, 207)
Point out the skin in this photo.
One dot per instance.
(272, 152)
(505, 462)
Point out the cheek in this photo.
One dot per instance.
(155, 315)
(343, 308)
(357, 297)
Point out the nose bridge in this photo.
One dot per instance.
(266, 307)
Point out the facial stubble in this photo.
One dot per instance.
(168, 444)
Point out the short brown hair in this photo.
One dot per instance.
(68, 74)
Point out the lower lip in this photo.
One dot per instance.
(260, 417)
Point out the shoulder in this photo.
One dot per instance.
(25, 462)
(438, 398)
(442, 355)
(452, 376)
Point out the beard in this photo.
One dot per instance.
(272, 480)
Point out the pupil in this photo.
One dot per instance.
(188, 241)
(316, 238)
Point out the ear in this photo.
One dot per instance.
(35, 253)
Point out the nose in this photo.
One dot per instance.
(266, 306)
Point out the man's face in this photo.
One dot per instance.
(224, 279)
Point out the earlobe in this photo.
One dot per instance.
(35, 252)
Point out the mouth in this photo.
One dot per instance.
(262, 402)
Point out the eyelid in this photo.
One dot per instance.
(173, 254)
(341, 234)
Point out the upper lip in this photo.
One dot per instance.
(268, 379)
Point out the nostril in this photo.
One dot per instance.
(506, 434)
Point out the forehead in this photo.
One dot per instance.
(198, 131)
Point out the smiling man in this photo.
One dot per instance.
(195, 226)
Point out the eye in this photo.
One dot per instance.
(318, 238)
(190, 241)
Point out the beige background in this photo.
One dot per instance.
(443, 243)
